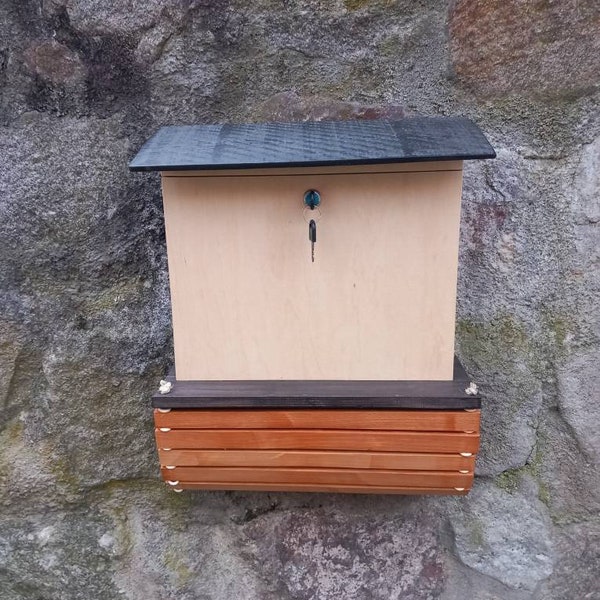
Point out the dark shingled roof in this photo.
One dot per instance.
(311, 144)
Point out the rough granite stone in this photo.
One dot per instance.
(54, 62)
(288, 106)
(578, 401)
(320, 554)
(505, 536)
(514, 46)
(577, 546)
(85, 330)
(569, 480)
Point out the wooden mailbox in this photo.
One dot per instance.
(333, 374)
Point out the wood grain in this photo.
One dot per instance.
(306, 458)
(318, 439)
(327, 488)
(378, 303)
(427, 395)
(393, 478)
(404, 420)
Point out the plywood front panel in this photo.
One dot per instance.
(378, 303)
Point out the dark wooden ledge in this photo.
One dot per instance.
(428, 395)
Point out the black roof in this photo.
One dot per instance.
(312, 143)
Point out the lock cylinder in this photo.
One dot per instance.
(312, 199)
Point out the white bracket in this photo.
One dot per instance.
(164, 386)
(472, 390)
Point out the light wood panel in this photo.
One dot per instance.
(306, 458)
(449, 165)
(318, 439)
(393, 478)
(405, 420)
(378, 303)
(336, 489)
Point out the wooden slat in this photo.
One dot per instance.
(390, 478)
(398, 420)
(335, 489)
(318, 439)
(344, 460)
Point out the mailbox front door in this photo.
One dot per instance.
(377, 303)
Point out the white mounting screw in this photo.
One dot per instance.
(173, 483)
(462, 453)
(472, 390)
(178, 490)
(164, 386)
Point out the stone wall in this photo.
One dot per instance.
(85, 323)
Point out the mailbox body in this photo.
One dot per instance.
(378, 302)
(336, 375)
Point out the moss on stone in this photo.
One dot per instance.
(177, 565)
(121, 293)
(63, 473)
(9, 438)
(358, 4)
(476, 533)
(11, 434)
(544, 493)
(492, 339)
(510, 480)
(534, 468)
(503, 345)
(355, 4)
(558, 328)
(391, 46)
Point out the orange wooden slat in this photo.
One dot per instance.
(336, 489)
(389, 478)
(318, 439)
(398, 420)
(307, 458)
